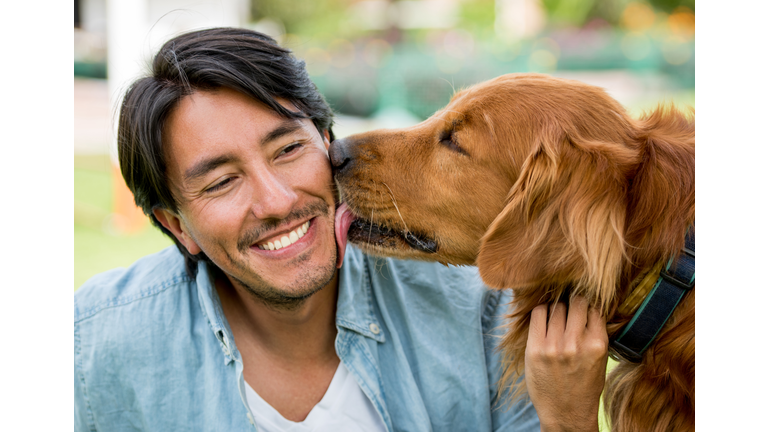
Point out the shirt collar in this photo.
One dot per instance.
(355, 307)
(211, 305)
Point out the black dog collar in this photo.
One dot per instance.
(658, 305)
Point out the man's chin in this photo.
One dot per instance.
(289, 294)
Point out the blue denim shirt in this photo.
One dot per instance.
(153, 350)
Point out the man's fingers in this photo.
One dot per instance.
(595, 321)
(577, 316)
(557, 317)
(537, 330)
(597, 337)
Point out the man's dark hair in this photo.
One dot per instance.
(238, 59)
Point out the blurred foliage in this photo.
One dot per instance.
(320, 18)
(367, 56)
(580, 12)
(478, 17)
(670, 5)
(331, 18)
(572, 11)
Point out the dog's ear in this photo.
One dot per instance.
(663, 200)
(563, 222)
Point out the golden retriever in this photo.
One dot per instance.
(550, 188)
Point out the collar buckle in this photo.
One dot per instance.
(673, 277)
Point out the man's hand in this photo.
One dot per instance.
(565, 365)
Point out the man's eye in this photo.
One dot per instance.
(219, 185)
(290, 149)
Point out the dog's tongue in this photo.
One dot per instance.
(344, 219)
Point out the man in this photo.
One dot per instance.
(259, 318)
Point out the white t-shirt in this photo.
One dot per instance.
(344, 407)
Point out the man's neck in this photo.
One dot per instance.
(288, 356)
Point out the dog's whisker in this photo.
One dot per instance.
(453, 87)
(394, 202)
(409, 236)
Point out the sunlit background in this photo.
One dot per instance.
(379, 63)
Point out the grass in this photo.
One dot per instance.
(98, 247)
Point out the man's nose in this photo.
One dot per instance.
(273, 196)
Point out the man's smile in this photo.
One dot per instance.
(286, 239)
(275, 234)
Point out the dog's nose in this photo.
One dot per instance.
(339, 153)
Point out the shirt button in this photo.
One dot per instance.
(374, 328)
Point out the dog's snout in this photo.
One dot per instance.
(340, 153)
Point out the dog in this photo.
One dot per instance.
(550, 188)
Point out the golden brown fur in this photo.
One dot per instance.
(548, 186)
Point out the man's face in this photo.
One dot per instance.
(255, 193)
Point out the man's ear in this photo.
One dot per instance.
(173, 223)
(326, 139)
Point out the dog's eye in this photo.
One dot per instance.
(448, 139)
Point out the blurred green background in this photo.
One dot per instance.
(99, 246)
(365, 61)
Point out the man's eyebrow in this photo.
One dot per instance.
(285, 128)
(205, 166)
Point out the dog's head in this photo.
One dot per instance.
(526, 176)
(429, 191)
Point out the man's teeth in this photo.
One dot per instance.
(288, 239)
